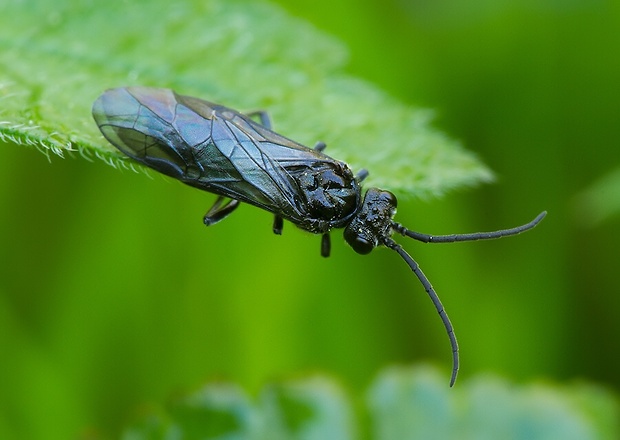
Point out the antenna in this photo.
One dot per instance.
(436, 301)
(427, 238)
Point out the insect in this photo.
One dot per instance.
(217, 149)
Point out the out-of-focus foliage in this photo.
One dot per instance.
(402, 404)
(600, 201)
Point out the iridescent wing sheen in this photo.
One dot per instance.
(208, 146)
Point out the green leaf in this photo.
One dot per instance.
(600, 201)
(57, 57)
(413, 404)
(313, 409)
(402, 404)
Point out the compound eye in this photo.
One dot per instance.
(358, 241)
(362, 246)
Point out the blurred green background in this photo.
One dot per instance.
(113, 293)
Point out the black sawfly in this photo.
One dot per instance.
(220, 150)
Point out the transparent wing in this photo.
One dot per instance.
(206, 145)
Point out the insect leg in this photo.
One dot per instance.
(361, 175)
(265, 119)
(278, 224)
(320, 146)
(326, 245)
(219, 210)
